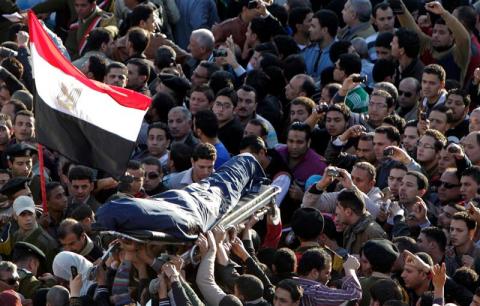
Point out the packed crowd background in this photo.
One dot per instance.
(365, 113)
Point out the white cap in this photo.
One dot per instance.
(23, 203)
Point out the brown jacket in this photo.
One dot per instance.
(365, 229)
(233, 26)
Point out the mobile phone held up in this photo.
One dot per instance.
(74, 271)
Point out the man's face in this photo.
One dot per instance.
(474, 122)
(365, 151)
(384, 20)
(377, 109)
(134, 78)
(455, 103)
(380, 142)
(117, 77)
(431, 85)
(81, 190)
(348, 14)
(383, 53)
(153, 177)
(449, 189)
(24, 128)
(223, 109)
(246, 105)
(362, 179)
(72, 243)
(137, 184)
(298, 112)
(84, 8)
(297, 144)
(407, 94)
(293, 88)
(335, 123)
(252, 129)
(202, 168)
(8, 109)
(412, 277)
(149, 24)
(5, 135)
(338, 74)
(395, 179)
(196, 50)
(475, 300)
(423, 243)
(157, 142)
(4, 178)
(326, 273)
(178, 124)
(315, 30)
(472, 148)
(445, 217)
(410, 138)
(459, 233)
(409, 190)
(445, 161)
(340, 214)
(198, 102)
(365, 266)
(283, 298)
(200, 76)
(438, 121)
(468, 188)
(57, 201)
(305, 26)
(426, 150)
(441, 36)
(21, 166)
(26, 220)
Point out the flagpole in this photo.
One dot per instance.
(42, 178)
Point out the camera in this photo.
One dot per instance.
(360, 79)
(396, 6)
(322, 108)
(252, 4)
(332, 172)
(388, 152)
(219, 52)
(423, 116)
(453, 149)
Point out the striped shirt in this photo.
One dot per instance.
(316, 294)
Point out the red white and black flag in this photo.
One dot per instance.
(89, 122)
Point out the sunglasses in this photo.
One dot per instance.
(152, 175)
(405, 93)
(449, 185)
(10, 281)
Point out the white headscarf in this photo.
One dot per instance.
(61, 268)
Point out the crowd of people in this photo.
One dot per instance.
(366, 114)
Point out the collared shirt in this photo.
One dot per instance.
(314, 64)
(316, 293)
(311, 164)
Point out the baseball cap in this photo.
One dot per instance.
(23, 203)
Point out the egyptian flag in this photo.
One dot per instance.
(91, 123)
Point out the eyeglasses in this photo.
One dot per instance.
(449, 185)
(10, 281)
(405, 93)
(225, 105)
(152, 175)
(425, 146)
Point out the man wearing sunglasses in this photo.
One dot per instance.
(153, 176)
(8, 276)
(449, 188)
(408, 97)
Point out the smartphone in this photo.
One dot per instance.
(219, 53)
(334, 173)
(74, 271)
(423, 116)
(252, 4)
(360, 79)
(388, 152)
(396, 6)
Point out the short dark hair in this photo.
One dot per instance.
(329, 19)
(97, 66)
(382, 69)
(50, 186)
(473, 172)
(161, 126)
(164, 57)
(462, 93)
(249, 286)
(284, 260)
(436, 234)
(206, 90)
(315, 258)
(69, 225)
(384, 40)
(466, 277)
(81, 173)
(422, 180)
(207, 122)
(265, 28)
(307, 215)
(297, 16)
(138, 38)
(465, 217)
(305, 101)
(437, 70)
(292, 65)
(139, 13)
(96, 38)
(152, 161)
(204, 151)
(380, 6)
(81, 212)
(444, 110)
(384, 94)
(14, 66)
(142, 66)
(341, 108)
(384, 290)
(296, 292)
(396, 121)
(350, 63)
(115, 65)
(301, 127)
(440, 139)
(252, 142)
(467, 16)
(211, 68)
(180, 155)
(391, 132)
(229, 93)
(409, 41)
(134, 165)
(351, 198)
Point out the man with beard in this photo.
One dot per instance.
(428, 150)
(459, 102)
(410, 138)
(116, 75)
(408, 96)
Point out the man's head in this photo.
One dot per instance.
(380, 106)
(300, 109)
(85, 215)
(410, 136)
(385, 136)
(95, 68)
(433, 81)
(256, 127)
(19, 157)
(384, 290)
(24, 213)
(470, 182)
(153, 173)
(24, 125)
(301, 85)
(299, 20)
(203, 159)
(9, 276)
(458, 101)
(84, 8)
(408, 92)
(414, 184)
(405, 44)
(307, 215)
(432, 240)
(202, 73)
(138, 73)
(247, 102)
(395, 178)
(429, 147)
(56, 197)
(442, 37)
(224, 105)
(179, 122)
(255, 145)
(380, 254)
(346, 65)
(337, 118)
(58, 296)
(324, 24)
(6, 129)
(471, 145)
(416, 271)
(316, 265)
(205, 125)
(449, 189)
(364, 148)
(116, 74)
(99, 39)
(383, 17)
(136, 172)
(287, 293)
(201, 98)
(462, 230)
(137, 41)
(72, 236)
(158, 139)
(441, 118)
(474, 120)
(350, 206)
(143, 16)
(356, 11)
(298, 140)
(363, 176)
(248, 288)
(27, 256)
(81, 181)
(201, 44)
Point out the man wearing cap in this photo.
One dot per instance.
(29, 230)
(380, 254)
(19, 157)
(175, 86)
(14, 188)
(28, 259)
